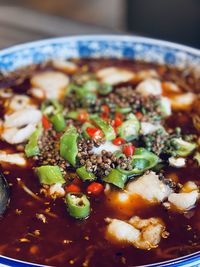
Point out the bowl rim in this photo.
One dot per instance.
(187, 259)
(101, 37)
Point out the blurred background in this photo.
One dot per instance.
(26, 20)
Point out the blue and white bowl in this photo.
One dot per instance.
(109, 46)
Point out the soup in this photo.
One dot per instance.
(102, 159)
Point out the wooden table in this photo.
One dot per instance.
(18, 25)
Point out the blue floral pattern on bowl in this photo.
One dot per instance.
(99, 46)
(110, 46)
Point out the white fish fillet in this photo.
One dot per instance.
(65, 65)
(145, 74)
(149, 87)
(37, 93)
(186, 198)
(182, 101)
(122, 231)
(114, 75)
(177, 162)
(16, 158)
(149, 187)
(18, 102)
(183, 201)
(151, 231)
(23, 117)
(141, 233)
(16, 136)
(51, 82)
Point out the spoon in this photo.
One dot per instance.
(4, 194)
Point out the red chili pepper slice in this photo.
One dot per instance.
(129, 150)
(104, 116)
(72, 188)
(76, 181)
(94, 133)
(118, 119)
(115, 129)
(83, 116)
(118, 141)
(95, 188)
(45, 122)
(105, 109)
(105, 112)
(138, 115)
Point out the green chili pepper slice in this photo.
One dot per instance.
(84, 174)
(58, 122)
(129, 129)
(91, 86)
(84, 127)
(119, 154)
(105, 89)
(105, 127)
(116, 178)
(87, 98)
(158, 167)
(68, 145)
(124, 110)
(32, 148)
(51, 107)
(78, 205)
(49, 175)
(183, 148)
(72, 115)
(197, 158)
(142, 160)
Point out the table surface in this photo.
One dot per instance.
(18, 25)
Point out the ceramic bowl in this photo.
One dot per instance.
(110, 46)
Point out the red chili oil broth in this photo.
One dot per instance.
(64, 241)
